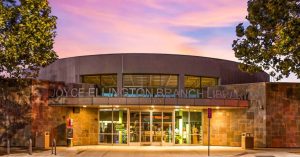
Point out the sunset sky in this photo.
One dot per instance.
(190, 27)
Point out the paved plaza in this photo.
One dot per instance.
(156, 151)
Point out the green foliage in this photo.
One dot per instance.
(271, 39)
(27, 31)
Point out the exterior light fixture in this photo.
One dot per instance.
(261, 107)
(117, 106)
(152, 106)
(217, 107)
(187, 107)
(84, 106)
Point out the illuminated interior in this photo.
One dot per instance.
(154, 127)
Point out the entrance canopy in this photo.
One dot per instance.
(96, 101)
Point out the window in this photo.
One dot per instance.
(104, 83)
(188, 127)
(93, 79)
(150, 82)
(192, 82)
(197, 83)
(112, 126)
(207, 82)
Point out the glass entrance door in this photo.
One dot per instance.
(120, 127)
(182, 127)
(112, 126)
(145, 128)
(134, 126)
(156, 127)
(167, 127)
(105, 126)
(151, 127)
(188, 127)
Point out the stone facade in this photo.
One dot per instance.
(85, 126)
(53, 119)
(283, 114)
(227, 125)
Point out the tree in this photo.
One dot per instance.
(271, 39)
(27, 32)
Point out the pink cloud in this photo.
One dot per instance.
(129, 26)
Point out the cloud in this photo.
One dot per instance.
(149, 26)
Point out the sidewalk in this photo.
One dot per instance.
(156, 151)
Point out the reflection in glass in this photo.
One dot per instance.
(208, 82)
(112, 126)
(91, 79)
(196, 127)
(167, 127)
(151, 83)
(145, 126)
(192, 82)
(182, 127)
(134, 126)
(104, 83)
(156, 126)
(120, 127)
(105, 126)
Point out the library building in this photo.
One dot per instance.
(163, 100)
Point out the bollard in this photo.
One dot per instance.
(30, 146)
(53, 148)
(8, 146)
(52, 144)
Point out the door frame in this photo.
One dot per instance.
(151, 128)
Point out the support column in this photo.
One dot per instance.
(181, 82)
(181, 127)
(119, 83)
(120, 123)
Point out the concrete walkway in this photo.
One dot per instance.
(156, 151)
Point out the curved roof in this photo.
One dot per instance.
(70, 69)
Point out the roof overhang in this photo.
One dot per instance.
(98, 101)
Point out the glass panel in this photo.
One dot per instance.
(140, 80)
(167, 127)
(93, 79)
(182, 127)
(192, 82)
(172, 81)
(120, 127)
(207, 82)
(196, 127)
(155, 81)
(150, 84)
(156, 127)
(105, 126)
(150, 81)
(106, 84)
(134, 126)
(109, 80)
(145, 126)
(127, 81)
